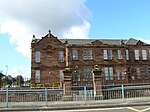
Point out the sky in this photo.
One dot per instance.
(102, 19)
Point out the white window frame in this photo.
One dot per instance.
(107, 54)
(119, 54)
(37, 56)
(75, 54)
(37, 76)
(138, 73)
(61, 56)
(136, 54)
(127, 54)
(111, 74)
(87, 54)
(108, 71)
(144, 55)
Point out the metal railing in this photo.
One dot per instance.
(47, 96)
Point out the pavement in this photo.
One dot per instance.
(51, 106)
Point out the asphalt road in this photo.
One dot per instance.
(117, 109)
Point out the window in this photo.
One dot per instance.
(111, 73)
(87, 54)
(107, 54)
(136, 54)
(61, 56)
(37, 56)
(118, 75)
(138, 73)
(75, 55)
(88, 78)
(145, 72)
(37, 76)
(119, 54)
(144, 55)
(123, 75)
(75, 77)
(127, 54)
(108, 71)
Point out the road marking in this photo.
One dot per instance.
(145, 109)
(136, 110)
(131, 108)
(89, 110)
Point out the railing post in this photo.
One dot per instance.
(6, 96)
(122, 92)
(85, 94)
(46, 95)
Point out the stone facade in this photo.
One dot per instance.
(120, 61)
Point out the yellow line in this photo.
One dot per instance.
(136, 110)
(145, 109)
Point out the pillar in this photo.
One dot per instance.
(67, 80)
(97, 80)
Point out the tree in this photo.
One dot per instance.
(1, 75)
(6, 80)
(20, 80)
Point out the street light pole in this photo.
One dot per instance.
(6, 74)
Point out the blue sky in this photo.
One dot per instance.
(117, 19)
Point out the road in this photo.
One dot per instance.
(117, 109)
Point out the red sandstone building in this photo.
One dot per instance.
(89, 62)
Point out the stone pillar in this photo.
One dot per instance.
(67, 80)
(97, 80)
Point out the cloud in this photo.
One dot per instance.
(23, 18)
(80, 31)
(20, 19)
(18, 36)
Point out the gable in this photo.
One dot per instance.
(97, 42)
(139, 43)
(49, 42)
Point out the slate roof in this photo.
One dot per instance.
(88, 41)
(130, 41)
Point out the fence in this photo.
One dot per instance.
(74, 95)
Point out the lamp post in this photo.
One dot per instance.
(6, 74)
(124, 77)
